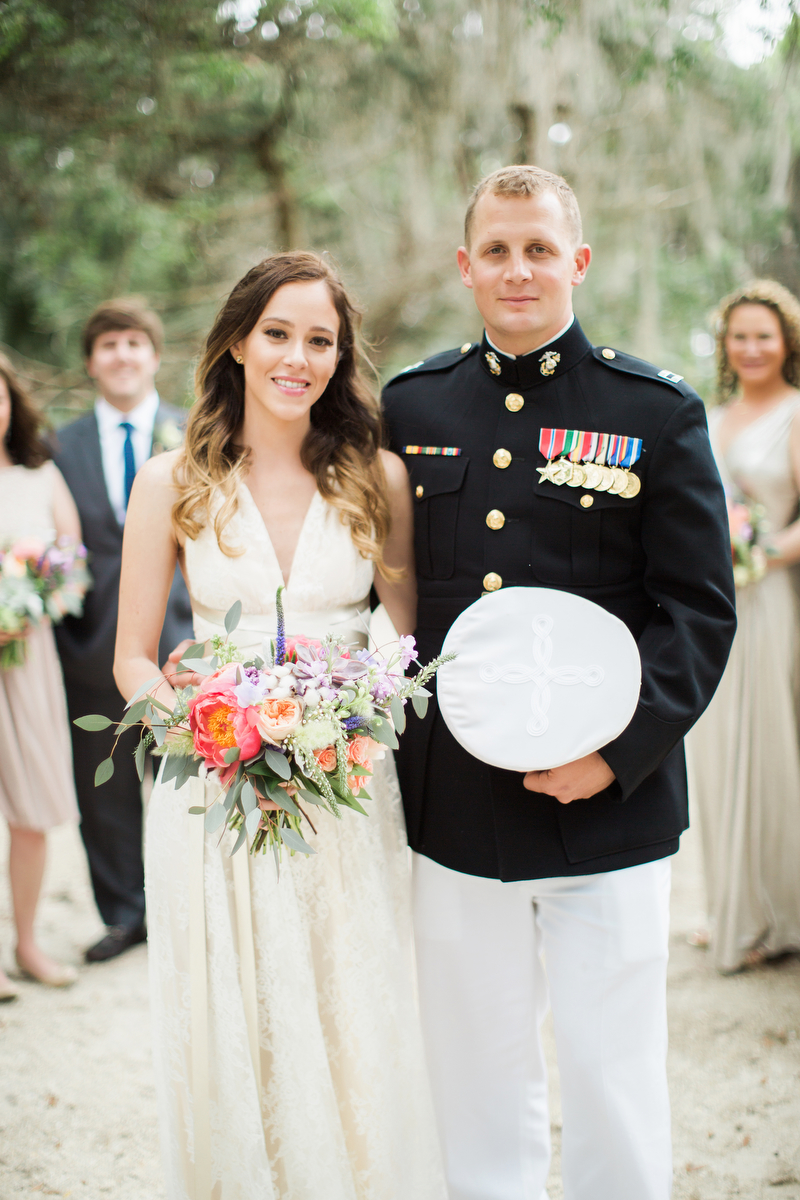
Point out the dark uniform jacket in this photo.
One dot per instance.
(660, 562)
(86, 643)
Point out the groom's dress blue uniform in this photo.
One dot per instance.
(505, 878)
(660, 562)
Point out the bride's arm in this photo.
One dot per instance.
(150, 549)
(399, 599)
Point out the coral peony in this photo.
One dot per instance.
(279, 717)
(326, 758)
(219, 723)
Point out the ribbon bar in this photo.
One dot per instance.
(445, 451)
(606, 449)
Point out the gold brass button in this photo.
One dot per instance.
(492, 582)
(514, 402)
(419, 491)
(609, 354)
(466, 347)
(587, 501)
(502, 459)
(495, 519)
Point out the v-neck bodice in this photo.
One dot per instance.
(757, 461)
(328, 586)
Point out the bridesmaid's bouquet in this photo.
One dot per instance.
(38, 581)
(748, 526)
(299, 725)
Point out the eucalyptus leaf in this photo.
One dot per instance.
(104, 772)
(232, 755)
(159, 731)
(141, 691)
(420, 703)
(383, 732)
(398, 714)
(233, 795)
(284, 801)
(197, 810)
(93, 722)
(134, 713)
(173, 767)
(252, 821)
(279, 763)
(214, 817)
(293, 840)
(200, 666)
(138, 758)
(311, 797)
(233, 616)
(249, 798)
(196, 650)
(239, 840)
(351, 802)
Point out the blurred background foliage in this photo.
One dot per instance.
(161, 147)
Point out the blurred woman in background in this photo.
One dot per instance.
(36, 787)
(745, 751)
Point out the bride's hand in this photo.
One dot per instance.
(176, 678)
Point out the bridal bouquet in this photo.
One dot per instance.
(747, 526)
(38, 580)
(297, 726)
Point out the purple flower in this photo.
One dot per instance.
(408, 651)
(352, 722)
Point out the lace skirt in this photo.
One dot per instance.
(288, 1052)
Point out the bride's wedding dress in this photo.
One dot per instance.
(289, 1060)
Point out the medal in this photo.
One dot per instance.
(633, 487)
(593, 474)
(606, 480)
(619, 481)
(577, 477)
(562, 472)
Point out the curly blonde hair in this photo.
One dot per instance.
(786, 308)
(341, 448)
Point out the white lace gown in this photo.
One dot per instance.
(288, 1052)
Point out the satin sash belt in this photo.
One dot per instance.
(350, 622)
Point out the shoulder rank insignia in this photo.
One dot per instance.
(670, 375)
(444, 451)
(494, 362)
(549, 360)
(600, 462)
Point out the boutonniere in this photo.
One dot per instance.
(167, 436)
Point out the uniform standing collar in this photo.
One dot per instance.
(529, 370)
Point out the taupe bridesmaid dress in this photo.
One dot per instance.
(36, 784)
(744, 752)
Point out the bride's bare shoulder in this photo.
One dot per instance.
(162, 471)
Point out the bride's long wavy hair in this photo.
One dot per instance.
(341, 446)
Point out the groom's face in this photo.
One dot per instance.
(522, 264)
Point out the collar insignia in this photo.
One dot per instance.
(494, 362)
(549, 360)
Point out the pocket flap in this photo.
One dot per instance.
(433, 475)
(573, 497)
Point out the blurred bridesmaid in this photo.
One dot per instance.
(745, 749)
(36, 786)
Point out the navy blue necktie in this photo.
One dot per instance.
(130, 461)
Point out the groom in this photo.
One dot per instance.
(568, 867)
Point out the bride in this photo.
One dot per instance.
(289, 1060)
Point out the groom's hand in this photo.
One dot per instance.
(574, 781)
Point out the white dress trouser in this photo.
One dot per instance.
(483, 995)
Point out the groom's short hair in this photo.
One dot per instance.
(125, 312)
(526, 180)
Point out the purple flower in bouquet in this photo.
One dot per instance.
(408, 651)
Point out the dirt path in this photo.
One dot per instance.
(77, 1108)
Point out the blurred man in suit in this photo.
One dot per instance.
(99, 455)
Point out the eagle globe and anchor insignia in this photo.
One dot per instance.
(549, 360)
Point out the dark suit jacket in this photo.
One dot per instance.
(86, 643)
(660, 562)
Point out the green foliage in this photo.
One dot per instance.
(162, 148)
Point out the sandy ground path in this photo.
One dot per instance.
(77, 1107)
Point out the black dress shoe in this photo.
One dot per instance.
(117, 939)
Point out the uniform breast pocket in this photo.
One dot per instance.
(436, 484)
(580, 544)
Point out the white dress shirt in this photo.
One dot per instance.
(554, 338)
(112, 444)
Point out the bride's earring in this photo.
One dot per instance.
(239, 358)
